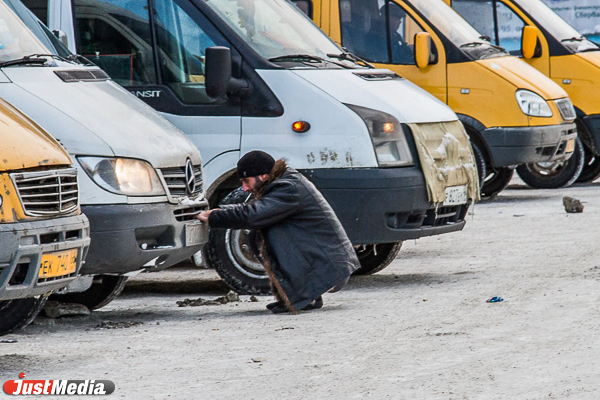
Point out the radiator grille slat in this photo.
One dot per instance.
(44, 193)
(175, 180)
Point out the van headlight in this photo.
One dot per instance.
(126, 176)
(532, 104)
(387, 135)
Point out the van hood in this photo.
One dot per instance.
(593, 57)
(25, 144)
(378, 89)
(96, 118)
(523, 76)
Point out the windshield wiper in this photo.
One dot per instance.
(573, 39)
(80, 60)
(351, 57)
(31, 59)
(306, 57)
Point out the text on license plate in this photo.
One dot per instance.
(58, 264)
(456, 195)
(570, 146)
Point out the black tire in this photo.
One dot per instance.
(591, 166)
(375, 257)
(496, 182)
(233, 254)
(17, 314)
(481, 164)
(554, 175)
(104, 289)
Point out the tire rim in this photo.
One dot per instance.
(239, 250)
(547, 169)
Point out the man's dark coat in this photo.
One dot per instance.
(308, 249)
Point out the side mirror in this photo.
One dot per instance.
(62, 37)
(218, 79)
(423, 50)
(530, 42)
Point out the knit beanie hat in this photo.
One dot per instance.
(255, 163)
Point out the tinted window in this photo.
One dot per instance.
(39, 8)
(115, 35)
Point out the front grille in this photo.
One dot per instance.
(188, 214)
(175, 180)
(566, 108)
(46, 193)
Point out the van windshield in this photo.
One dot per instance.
(276, 29)
(16, 41)
(557, 27)
(457, 30)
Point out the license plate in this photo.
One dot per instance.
(58, 264)
(570, 146)
(194, 234)
(456, 195)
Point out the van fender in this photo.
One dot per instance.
(220, 175)
(474, 129)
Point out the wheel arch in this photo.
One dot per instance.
(473, 128)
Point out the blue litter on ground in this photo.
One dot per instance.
(494, 299)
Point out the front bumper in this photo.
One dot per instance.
(384, 205)
(130, 237)
(23, 245)
(526, 145)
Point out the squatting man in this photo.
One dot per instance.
(304, 248)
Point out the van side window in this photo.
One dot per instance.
(510, 29)
(115, 35)
(495, 20)
(379, 31)
(181, 50)
(39, 8)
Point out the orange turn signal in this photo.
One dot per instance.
(300, 126)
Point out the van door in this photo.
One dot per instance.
(383, 32)
(503, 23)
(159, 57)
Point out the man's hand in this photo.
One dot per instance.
(203, 215)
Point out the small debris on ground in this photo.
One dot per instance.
(495, 299)
(231, 297)
(118, 325)
(56, 309)
(9, 341)
(572, 205)
(283, 328)
(257, 360)
(253, 299)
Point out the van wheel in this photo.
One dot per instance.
(233, 254)
(496, 182)
(480, 162)
(104, 289)
(17, 314)
(591, 166)
(375, 257)
(555, 174)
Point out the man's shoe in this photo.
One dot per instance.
(316, 304)
(271, 306)
(279, 309)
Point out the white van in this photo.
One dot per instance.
(238, 75)
(140, 177)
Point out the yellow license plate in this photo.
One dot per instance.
(570, 146)
(58, 264)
